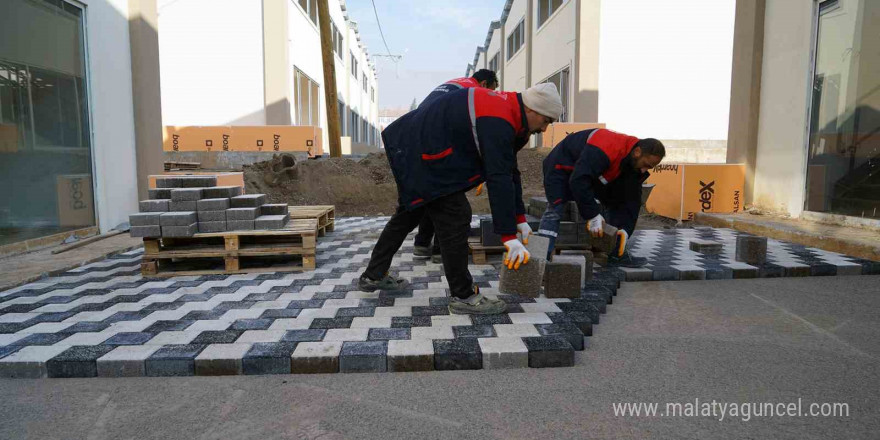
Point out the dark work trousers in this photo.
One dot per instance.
(426, 234)
(451, 216)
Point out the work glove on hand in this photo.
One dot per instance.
(595, 226)
(524, 230)
(516, 254)
(623, 237)
(480, 189)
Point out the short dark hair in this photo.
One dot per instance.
(485, 75)
(651, 147)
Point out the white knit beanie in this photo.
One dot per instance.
(544, 99)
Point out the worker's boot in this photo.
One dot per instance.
(476, 304)
(626, 260)
(421, 252)
(388, 282)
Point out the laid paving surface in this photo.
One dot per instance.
(760, 340)
(85, 322)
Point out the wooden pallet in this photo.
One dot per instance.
(480, 253)
(181, 166)
(233, 252)
(324, 214)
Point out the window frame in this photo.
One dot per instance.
(518, 35)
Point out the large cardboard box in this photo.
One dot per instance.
(76, 205)
(268, 138)
(557, 132)
(682, 190)
(223, 178)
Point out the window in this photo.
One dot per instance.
(493, 63)
(546, 8)
(45, 145)
(560, 79)
(354, 66)
(364, 81)
(516, 39)
(310, 7)
(337, 39)
(372, 94)
(307, 100)
(843, 153)
(355, 126)
(341, 108)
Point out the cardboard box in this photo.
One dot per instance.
(223, 178)
(682, 190)
(557, 132)
(76, 205)
(8, 138)
(269, 138)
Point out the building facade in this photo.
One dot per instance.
(643, 67)
(79, 117)
(805, 107)
(258, 62)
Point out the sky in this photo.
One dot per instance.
(437, 39)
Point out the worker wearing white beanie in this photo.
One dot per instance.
(543, 99)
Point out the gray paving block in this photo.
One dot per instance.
(180, 231)
(159, 193)
(584, 237)
(29, 362)
(212, 216)
(183, 206)
(567, 330)
(707, 247)
(538, 246)
(173, 360)
(144, 219)
(186, 194)
(580, 261)
(562, 279)
(125, 361)
(637, 273)
(268, 358)
(219, 204)
(363, 357)
(154, 205)
(194, 181)
(271, 221)
(239, 225)
(573, 213)
(178, 218)
(167, 182)
(274, 209)
(78, 361)
(220, 359)
(488, 235)
(457, 354)
(242, 214)
(146, 231)
(526, 281)
(410, 355)
(504, 352)
(567, 233)
(316, 357)
(751, 249)
(248, 201)
(537, 206)
(549, 351)
(221, 192)
(208, 227)
(607, 242)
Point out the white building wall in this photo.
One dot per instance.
(304, 48)
(211, 62)
(664, 67)
(112, 113)
(554, 46)
(495, 48)
(515, 68)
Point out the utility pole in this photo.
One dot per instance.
(329, 79)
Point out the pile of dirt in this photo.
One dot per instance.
(359, 187)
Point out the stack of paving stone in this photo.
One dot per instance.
(182, 206)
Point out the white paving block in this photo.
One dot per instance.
(125, 361)
(504, 352)
(516, 330)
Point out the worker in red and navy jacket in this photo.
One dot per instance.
(443, 149)
(602, 171)
(486, 79)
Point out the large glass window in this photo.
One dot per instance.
(843, 172)
(310, 7)
(493, 64)
(561, 80)
(516, 39)
(546, 8)
(45, 148)
(307, 100)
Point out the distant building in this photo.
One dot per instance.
(233, 62)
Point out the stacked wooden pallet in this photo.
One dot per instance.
(324, 214)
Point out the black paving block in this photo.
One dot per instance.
(201, 315)
(50, 317)
(304, 335)
(598, 301)
(430, 310)
(129, 338)
(580, 319)
(387, 334)
(251, 324)
(502, 318)
(457, 354)
(363, 357)
(173, 360)
(473, 331)
(12, 327)
(439, 301)
(86, 327)
(78, 361)
(41, 339)
(6, 350)
(410, 321)
(280, 313)
(823, 270)
(217, 337)
(665, 274)
(581, 306)
(567, 330)
(268, 358)
(549, 351)
(349, 312)
(767, 270)
(170, 325)
(328, 323)
(377, 302)
(722, 273)
(262, 296)
(306, 304)
(745, 272)
(155, 307)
